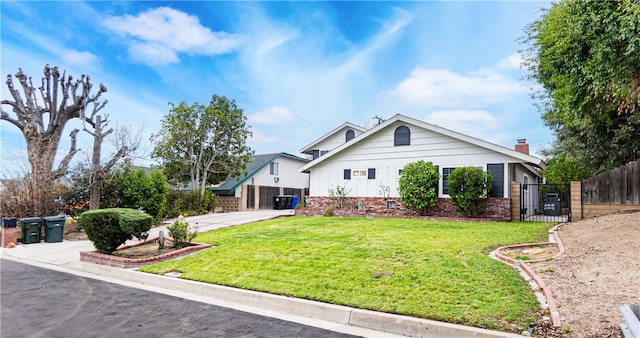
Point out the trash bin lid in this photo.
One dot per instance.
(55, 218)
(30, 219)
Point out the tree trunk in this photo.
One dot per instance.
(41, 157)
(95, 179)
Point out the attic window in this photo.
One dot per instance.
(402, 136)
(349, 135)
(273, 168)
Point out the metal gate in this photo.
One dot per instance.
(545, 203)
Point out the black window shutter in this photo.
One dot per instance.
(347, 174)
(371, 174)
(497, 186)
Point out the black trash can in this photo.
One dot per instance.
(9, 222)
(288, 200)
(551, 205)
(31, 228)
(278, 202)
(54, 228)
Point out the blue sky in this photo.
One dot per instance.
(297, 69)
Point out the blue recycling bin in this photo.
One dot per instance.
(294, 201)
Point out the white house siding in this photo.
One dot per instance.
(288, 175)
(379, 152)
(336, 140)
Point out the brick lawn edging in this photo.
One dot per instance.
(127, 263)
(526, 269)
(494, 209)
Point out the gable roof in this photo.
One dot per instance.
(311, 146)
(524, 158)
(259, 162)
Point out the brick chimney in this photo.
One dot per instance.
(522, 146)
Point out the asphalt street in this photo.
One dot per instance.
(37, 302)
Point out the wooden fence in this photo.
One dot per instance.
(617, 186)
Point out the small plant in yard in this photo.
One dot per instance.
(182, 232)
(328, 212)
(338, 195)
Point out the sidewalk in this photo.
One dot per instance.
(65, 257)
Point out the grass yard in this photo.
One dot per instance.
(430, 269)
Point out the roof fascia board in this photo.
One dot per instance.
(335, 130)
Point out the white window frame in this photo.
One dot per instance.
(359, 174)
(274, 168)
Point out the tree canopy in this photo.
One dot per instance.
(197, 142)
(586, 56)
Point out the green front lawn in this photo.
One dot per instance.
(430, 269)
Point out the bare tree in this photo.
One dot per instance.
(125, 142)
(41, 116)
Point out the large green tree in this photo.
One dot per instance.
(586, 56)
(198, 142)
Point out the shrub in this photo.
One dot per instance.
(339, 195)
(110, 228)
(189, 203)
(135, 188)
(418, 186)
(328, 212)
(182, 232)
(468, 186)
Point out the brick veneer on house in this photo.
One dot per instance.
(495, 209)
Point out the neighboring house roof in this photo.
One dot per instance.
(259, 162)
(522, 157)
(347, 125)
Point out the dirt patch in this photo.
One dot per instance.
(598, 272)
(530, 253)
(145, 251)
(72, 231)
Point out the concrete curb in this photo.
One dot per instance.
(395, 324)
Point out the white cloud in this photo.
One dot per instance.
(463, 120)
(444, 88)
(273, 116)
(166, 30)
(512, 61)
(78, 58)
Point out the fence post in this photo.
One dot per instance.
(576, 200)
(515, 201)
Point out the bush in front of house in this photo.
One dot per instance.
(189, 203)
(468, 186)
(110, 228)
(418, 186)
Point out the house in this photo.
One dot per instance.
(368, 164)
(268, 175)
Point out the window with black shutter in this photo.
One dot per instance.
(347, 174)
(497, 185)
(371, 173)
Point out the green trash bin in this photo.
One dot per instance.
(54, 228)
(31, 228)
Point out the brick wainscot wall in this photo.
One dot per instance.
(495, 209)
